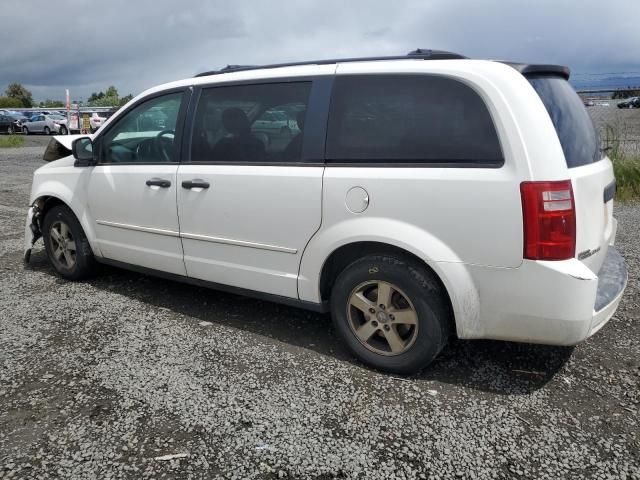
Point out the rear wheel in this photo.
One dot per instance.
(47, 131)
(391, 313)
(66, 244)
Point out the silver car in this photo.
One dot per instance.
(46, 124)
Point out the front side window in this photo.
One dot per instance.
(145, 134)
(409, 119)
(250, 123)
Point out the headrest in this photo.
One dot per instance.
(235, 120)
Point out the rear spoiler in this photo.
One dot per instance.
(540, 69)
(60, 147)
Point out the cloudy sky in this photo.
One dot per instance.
(86, 45)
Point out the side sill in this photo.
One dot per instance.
(292, 302)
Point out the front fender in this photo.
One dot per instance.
(440, 258)
(73, 198)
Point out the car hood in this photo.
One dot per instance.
(60, 147)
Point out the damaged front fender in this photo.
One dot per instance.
(33, 228)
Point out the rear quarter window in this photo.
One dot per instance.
(576, 132)
(409, 119)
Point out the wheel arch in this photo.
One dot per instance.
(343, 256)
(323, 260)
(45, 201)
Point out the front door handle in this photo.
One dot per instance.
(158, 182)
(195, 183)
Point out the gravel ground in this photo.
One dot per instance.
(105, 378)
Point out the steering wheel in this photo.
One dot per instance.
(164, 146)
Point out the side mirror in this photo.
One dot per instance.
(82, 149)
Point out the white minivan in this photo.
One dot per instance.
(414, 197)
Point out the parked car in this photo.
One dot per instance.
(96, 120)
(633, 102)
(46, 124)
(274, 122)
(11, 123)
(6, 124)
(425, 196)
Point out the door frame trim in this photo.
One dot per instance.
(202, 238)
(240, 243)
(138, 228)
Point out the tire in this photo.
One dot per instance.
(25, 130)
(47, 131)
(63, 130)
(70, 264)
(10, 130)
(285, 131)
(414, 291)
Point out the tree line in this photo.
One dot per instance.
(17, 96)
(626, 93)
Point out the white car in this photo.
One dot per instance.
(424, 196)
(96, 120)
(46, 124)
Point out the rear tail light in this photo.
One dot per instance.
(549, 220)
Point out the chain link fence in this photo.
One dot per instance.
(619, 128)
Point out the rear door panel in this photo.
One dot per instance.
(250, 227)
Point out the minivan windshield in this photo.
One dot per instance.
(578, 137)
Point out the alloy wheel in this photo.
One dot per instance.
(382, 318)
(63, 245)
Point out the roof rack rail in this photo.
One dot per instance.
(420, 54)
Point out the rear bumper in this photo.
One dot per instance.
(612, 280)
(554, 303)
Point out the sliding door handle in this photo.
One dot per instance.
(158, 182)
(195, 183)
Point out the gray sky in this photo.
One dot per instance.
(86, 45)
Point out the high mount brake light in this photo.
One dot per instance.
(549, 220)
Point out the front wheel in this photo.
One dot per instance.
(391, 313)
(63, 130)
(47, 131)
(66, 244)
(25, 130)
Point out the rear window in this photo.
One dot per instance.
(578, 136)
(410, 119)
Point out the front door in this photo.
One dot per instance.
(249, 199)
(36, 124)
(132, 190)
